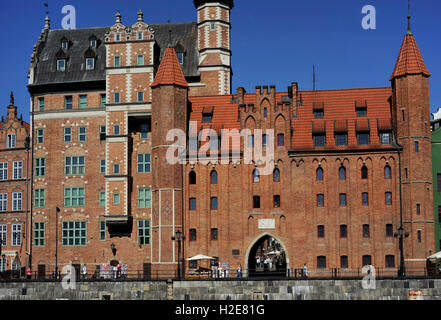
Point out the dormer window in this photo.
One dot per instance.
(361, 108)
(61, 64)
(180, 57)
(140, 35)
(92, 43)
(90, 63)
(319, 110)
(207, 114)
(11, 142)
(65, 44)
(386, 137)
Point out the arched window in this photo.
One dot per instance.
(276, 175)
(342, 173)
(256, 177)
(319, 174)
(364, 172)
(387, 172)
(192, 177)
(213, 177)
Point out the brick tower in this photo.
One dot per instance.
(169, 111)
(411, 116)
(214, 46)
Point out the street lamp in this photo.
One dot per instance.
(56, 242)
(179, 236)
(401, 235)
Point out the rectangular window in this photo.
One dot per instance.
(116, 130)
(68, 134)
(343, 231)
(73, 197)
(321, 262)
(18, 170)
(342, 199)
(92, 43)
(102, 230)
(251, 140)
(361, 112)
(192, 204)
(103, 101)
(41, 104)
(213, 203)
(418, 209)
(4, 234)
(140, 60)
(144, 163)
(68, 102)
(280, 139)
(140, 35)
(74, 165)
(16, 235)
(11, 142)
(364, 199)
(16, 201)
(192, 234)
(140, 96)
(366, 260)
(102, 133)
(419, 235)
(319, 114)
(116, 198)
(74, 233)
(118, 37)
(363, 138)
(82, 134)
(83, 101)
(102, 198)
(117, 61)
(388, 198)
(256, 202)
(3, 202)
(320, 231)
(116, 97)
(212, 26)
(214, 234)
(39, 198)
(341, 139)
(143, 232)
(116, 168)
(416, 146)
(343, 262)
(102, 166)
(366, 233)
(207, 117)
(90, 63)
(61, 65)
(389, 230)
(385, 138)
(40, 136)
(276, 201)
(390, 261)
(3, 171)
(144, 198)
(39, 230)
(265, 139)
(144, 131)
(3, 263)
(319, 140)
(320, 200)
(180, 56)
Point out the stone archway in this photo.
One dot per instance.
(262, 246)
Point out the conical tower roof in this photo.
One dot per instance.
(170, 71)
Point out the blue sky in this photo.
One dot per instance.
(273, 42)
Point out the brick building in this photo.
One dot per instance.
(350, 166)
(14, 185)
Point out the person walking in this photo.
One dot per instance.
(239, 271)
(305, 271)
(84, 271)
(29, 273)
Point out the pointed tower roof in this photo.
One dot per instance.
(410, 60)
(170, 71)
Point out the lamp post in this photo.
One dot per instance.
(401, 235)
(56, 242)
(179, 236)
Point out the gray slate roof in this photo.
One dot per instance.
(183, 35)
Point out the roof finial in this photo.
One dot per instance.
(409, 31)
(140, 16)
(118, 17)
(169, 37)
(12, 98)
(47, 22)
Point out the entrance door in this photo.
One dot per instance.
(41, 271)
(147, 270)
(267, 258)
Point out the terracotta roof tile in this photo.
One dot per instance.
(170, 71)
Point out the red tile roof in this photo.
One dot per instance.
(170, 71)
(339, 114)
(409, 59)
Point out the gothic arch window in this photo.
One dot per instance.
(213, 177)
(276, 175)
(342, 173)
(319, 174)
(256, 176)
(387, 172)
(364, 172)
(192, 177)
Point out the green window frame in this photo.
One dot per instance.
(83, 101)
(40, 167)
(116, 198)
(116, 130)
(82, 132)
(116, 97)
(74, 165)
(140, 60)
(74, 233)
(39, 234)
(143, 232)
(68, 134)
(116, 168)
(74, 197)
(103, 101)
(117, 61)
(140, 96)
(41, 104)
(144, 198)
(40, 136)
(102, 198)
(144, 163)
(68, 102)
(103, 166)
(102, 230)
(39, 198)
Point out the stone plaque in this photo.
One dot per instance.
(267, 223)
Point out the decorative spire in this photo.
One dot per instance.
(169, 38)
(118, 17)
(140, 16)
(409, 31)
(47, 21)
(12, 99)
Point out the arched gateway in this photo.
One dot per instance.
(266, 256)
